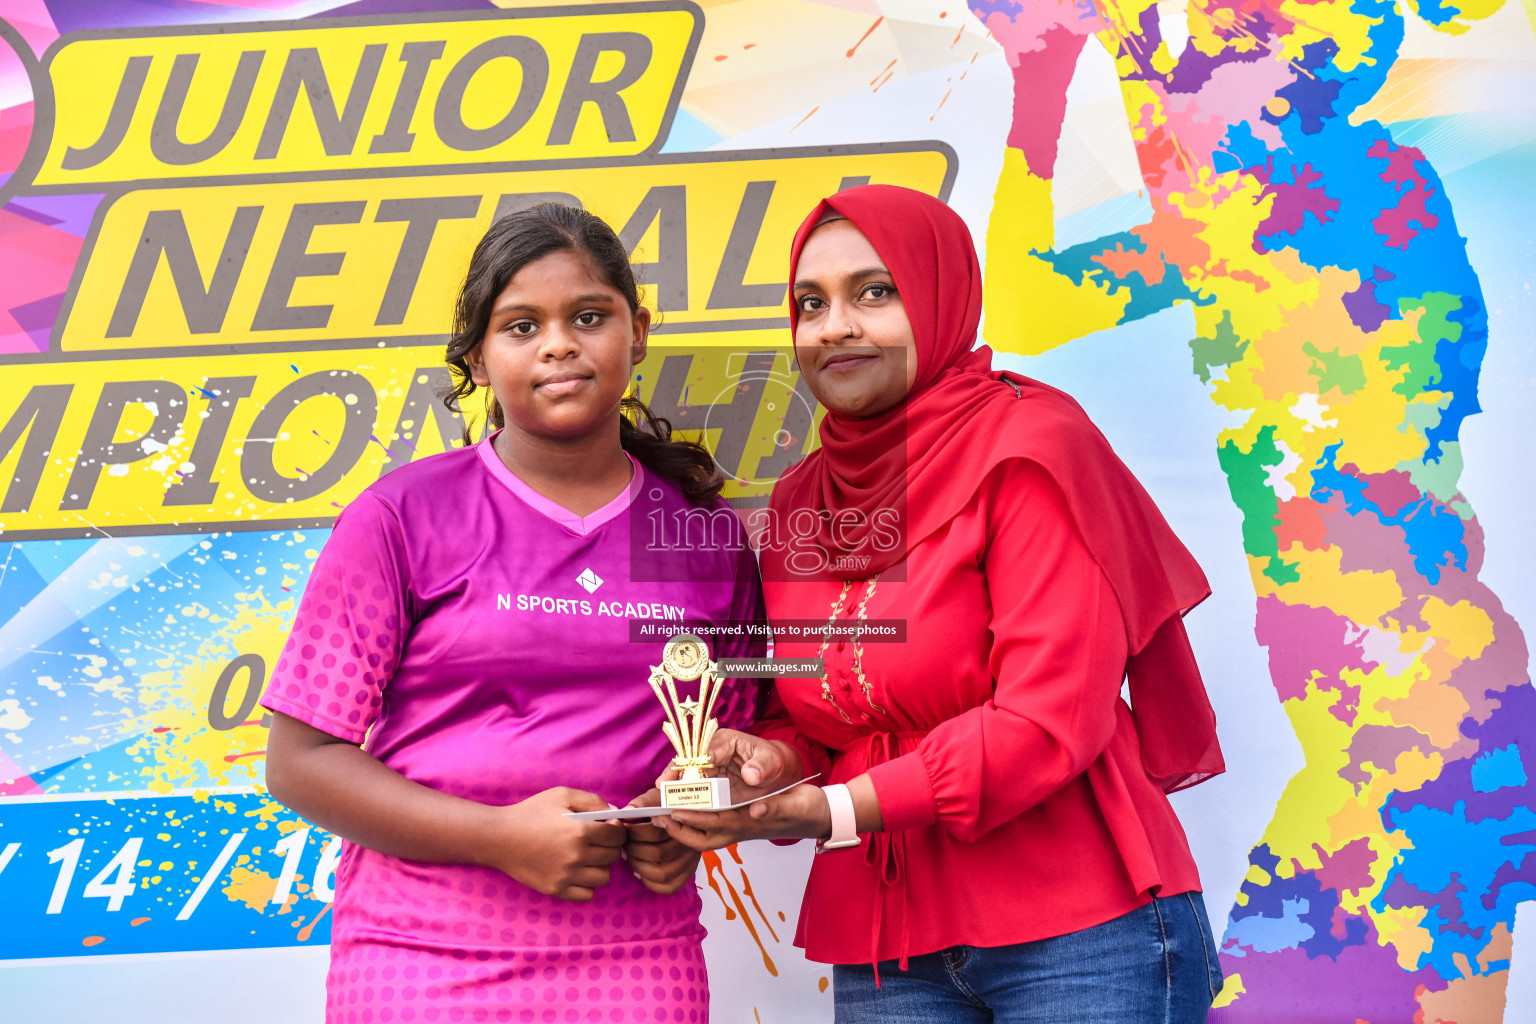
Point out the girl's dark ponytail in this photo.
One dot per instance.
(649, 439)
(528, 235)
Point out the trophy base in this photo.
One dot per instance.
(705, 794)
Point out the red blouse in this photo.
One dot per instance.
(1006, 763)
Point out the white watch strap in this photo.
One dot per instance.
(845, 830)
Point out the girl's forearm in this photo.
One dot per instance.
(347, 791)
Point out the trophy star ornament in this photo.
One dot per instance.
(690, 723)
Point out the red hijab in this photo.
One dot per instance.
(926, 457)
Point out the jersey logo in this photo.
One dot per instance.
(590, 580)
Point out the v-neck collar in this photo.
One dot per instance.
(580, 525)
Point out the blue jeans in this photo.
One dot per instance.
(1155, 965)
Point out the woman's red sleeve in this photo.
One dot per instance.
(777, 725)
(1058, 659)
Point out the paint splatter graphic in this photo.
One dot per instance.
(132, 749)
(740, 902)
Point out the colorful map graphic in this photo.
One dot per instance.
(1339, 315)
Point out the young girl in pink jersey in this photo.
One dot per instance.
(461, 672)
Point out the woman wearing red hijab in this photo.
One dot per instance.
(996, 842)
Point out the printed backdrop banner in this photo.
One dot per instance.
(1280, 251)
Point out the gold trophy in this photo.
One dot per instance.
(689, 724)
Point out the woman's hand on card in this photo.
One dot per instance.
(754, 765)
(798, 813)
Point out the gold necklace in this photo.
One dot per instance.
(858, 648)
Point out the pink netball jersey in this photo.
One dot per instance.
(476, 637)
